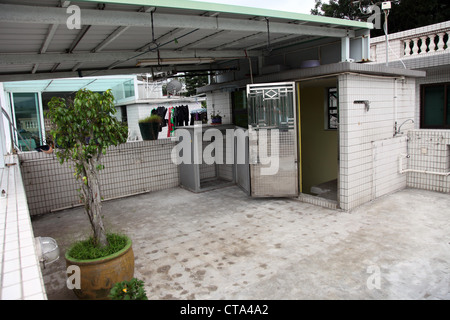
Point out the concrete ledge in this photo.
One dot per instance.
(21, 277)
(324, 70)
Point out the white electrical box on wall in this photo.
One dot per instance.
(386, 5)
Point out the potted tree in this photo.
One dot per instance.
(83, 129)
(150, 127)
(216, 118)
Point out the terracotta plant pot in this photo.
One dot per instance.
(98, 276)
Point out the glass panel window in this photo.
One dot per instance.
(435, 106)
(27, 120)
(128, 88)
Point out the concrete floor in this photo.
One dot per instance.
(221, 244)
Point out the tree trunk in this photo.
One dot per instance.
(92, 202)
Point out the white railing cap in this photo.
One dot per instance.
(413, 33)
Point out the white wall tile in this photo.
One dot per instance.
(429, 150)
(361, 172)
(138, 166)
(17, 240)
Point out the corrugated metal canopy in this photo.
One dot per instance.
(140, 36)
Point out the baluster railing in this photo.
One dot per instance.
(415, 48)
(432, 45)
(441, 44)
(423, 45)
(426, 44)
(420, 41)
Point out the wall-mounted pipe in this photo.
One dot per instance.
(401, 170)
(395, 98)
(398, 130)
(395, 106)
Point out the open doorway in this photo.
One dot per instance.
(319, 139)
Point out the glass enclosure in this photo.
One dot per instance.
(128, 88)
(124, 90)
(27, 120)
(28, 101)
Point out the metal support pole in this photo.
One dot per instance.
(386, 14)
(345, 49)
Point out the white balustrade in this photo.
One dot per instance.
(415, 49)
(424, 40)
(423, 47)
(407, 50)
(441, 44)
(432, 45)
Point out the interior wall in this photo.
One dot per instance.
(319, 146)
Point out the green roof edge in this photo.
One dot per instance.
(217, 7)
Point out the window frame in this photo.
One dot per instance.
(446, 102)
(328, 108)
(39, 116)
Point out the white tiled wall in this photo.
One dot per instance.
(363, 135)
(386, 175)
(378, 51)
(20, 273)
(130, 168)
(133, 116)
(429, 150)
(219, 102)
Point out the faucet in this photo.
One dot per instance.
(397, 131)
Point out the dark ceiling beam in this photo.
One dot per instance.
(30, 58)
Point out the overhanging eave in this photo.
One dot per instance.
(35, 14)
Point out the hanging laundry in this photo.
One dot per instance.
(198, 115)
(161, 112)
(171, 124)
(175, 115)
(186, 115)
(182, 115)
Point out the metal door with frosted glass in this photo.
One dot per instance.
(272, 140)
